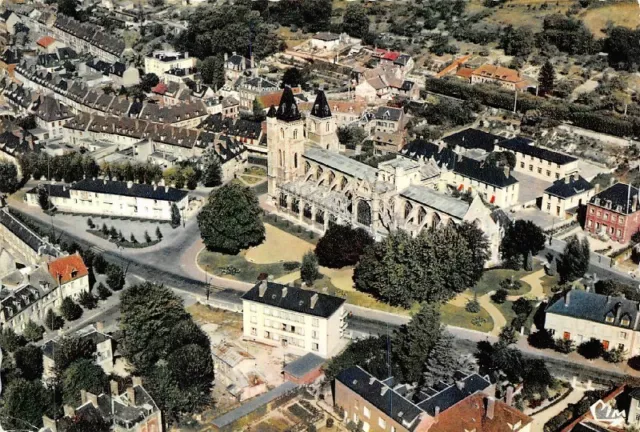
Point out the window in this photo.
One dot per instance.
(539, 170)
(315, 322)
(254, 319)
(619, 233)
(621, 219)
(254, 331)
(548, 173)
(566, 336)
(521, 164)
(590, 223)
(315, 347)
(295, 134)
(609, 319)
(592, 211)
(382, 423)
(314, 334)
(606, 216)
(366, 412)
(621, 347)
(623, 335)
(530, 167)
(365, 427)
(253, 308)
(267, 311)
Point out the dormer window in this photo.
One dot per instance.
(609, 318)
(625, 321)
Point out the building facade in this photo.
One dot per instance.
(614, 213)
(160, 62)
(302, 320)
(569, 193)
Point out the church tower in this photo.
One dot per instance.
(285, 143)
(321, 127)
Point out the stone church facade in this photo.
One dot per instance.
(312, 184)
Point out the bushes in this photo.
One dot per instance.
(32, 331)
(591, 349)
(564, 346)
(53, 321)
(87, 300)
(541, 339)
(616, 355)
(70, 310)
(103, 291)
(472, 306)
(499, 296)
(115, 277)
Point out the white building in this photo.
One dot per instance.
(115, 198)
(303, 320)
(160, 62)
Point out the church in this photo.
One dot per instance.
(312, 184)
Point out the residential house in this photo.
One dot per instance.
(9, 21)
(345, 112)
(236, 65)
(388, 119)
(325, 41)
(614, 212)
(580, 315)
(89, 38)
(51, 115)
(508, 78)
(249, 89)
(159, 62)
(302, 320)
(116, 198)
(48, 45)
(25, 246)
(235, 369)
(567, 195)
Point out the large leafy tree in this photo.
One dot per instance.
(574, 261)
(24, 404)
(478, 245)
(413, 342)
(442, 362)
(316, 14)
(521, 237)
(547, 77)
(230, 221)
(342, 245)
(212, 174)
(68, 7)
(294, 77)
(29, 361)
(517, 41)
(212, 71)
(82, 374)
(70, 349)
(355, 21)
(372, 354)
(309, 268)
(8, 177)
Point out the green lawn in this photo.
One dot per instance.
(251, 180)
(506, 310)
(292, 229)
(547, 283)
(490, 281)
(256, 170)
(216, 263)
(459, 317)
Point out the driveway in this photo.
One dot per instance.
(541, 418)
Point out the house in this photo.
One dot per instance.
(304, 370)
(251, 88)
(508, 78)
(134, 410)
(236, 65)
(614, 212)
(235, 369)
(325, 41)
(302, 320)
(388, 119)
(104, 349)
(581, 315)
(25, 246)
(345, 112)
(50, 115)
(385, 405)
(9, 21)
(159, 62)
(116, 198)
(566, 194)
(230, 107)
(30, 292)
(48, 45)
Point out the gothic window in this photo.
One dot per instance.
(407, 209)
(280, 158)
(295, 205)
(307, 167)
(295, 134)
(343, 183)
(422, 214)
(435, 221)
(332, 177)
(307, 211)
(295, 160)
(313, 126)
(319, 173)
(283, 201)
(282, 133)
(350, 205)
(332, 220)
(364, 213)
(327, 126)
(320, 217)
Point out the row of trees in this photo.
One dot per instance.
(69, 167)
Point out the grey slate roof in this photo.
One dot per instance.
(305, 364)
(341, 163)
(566, 189)
(26, 235)
(320, 107)
(121, 188)
(619, 194)
(454, 393)
(288, 109)
(438, 201)
(380, 395)
(595, 307)
(326, 36)
(523, 145)
(294, 299)
(473, 138)
(388, 113)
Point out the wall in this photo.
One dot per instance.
(599, 217)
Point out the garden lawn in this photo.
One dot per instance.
(250, 180)
(459, 317)
(490, 281)
(547, 283)
(289, 227)
(215, 263)
(256, 170)
(506, 310)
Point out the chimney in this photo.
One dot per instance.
(92, 398)
(263, 288)
(155, 186)
(314, 300)
(608, 299)
(131, 395)
(437, 413)
(597, 188)
(567, 179)
(113, 388)
(69, 411)
(491, 407)
(137, 381)
(372, 380)
(507, 171)
(567, 298)
(166, 189)
(509, 397)
(226, 57)
(129, 184)
(284, 292)
(460, 385)
(100, 326)
(83, 396)
(50, 424)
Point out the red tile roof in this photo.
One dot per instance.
(391, 55)
(471, 414)
(45, 41)
(68, 268)
(160, 88)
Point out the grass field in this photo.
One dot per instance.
(219, 264)
(620, 14)
(490, 281)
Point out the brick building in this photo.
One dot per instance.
(614, 212)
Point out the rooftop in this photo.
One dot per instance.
(113, 187)
(620, 197)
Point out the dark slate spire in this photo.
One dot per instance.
(271, 112)
(321, 106)
(288, 109)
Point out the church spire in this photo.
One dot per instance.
(288, 109)
(321, 106)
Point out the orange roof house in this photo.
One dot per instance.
(453, 66)
(45, 41)
(481, 413)
(67, 269)
(502, 75)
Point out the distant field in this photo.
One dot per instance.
(519, 13)
(620, 14)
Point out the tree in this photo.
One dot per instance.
(71, 349)
(53, 321)
(89, 421)
(175, 216)
(99, 264)
(32, 332)
(212, 175)
(309, 269)
(24, 404)
(43, 198)
(29, 361)
(478, 244)
(500, 296)
(508, 335)
(355, 21)
(70, 310)
(149, 81)
(230, 221)
(10, 341)
(442, 362)
(133, 238)
(103, 291)
(316, 14)
(147, 237)
(518, 42)
(87, 300)
(591, 349)
(342, 245)
(158, 233)
(521, 237)
(8, 177)
(351, 135)
(473, 305)
(113, 233)
(369, 353)
(541, 339)
(68, 7)
(212, 71)
(293, 77)
(413, 342)
(611, 287)
(564, 346)
(528, 262)
(115, 278)
(574, 261)
(546, 79)
(90, 223)
(522, 306)
(82, 374)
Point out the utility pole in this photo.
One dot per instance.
(515, 102)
